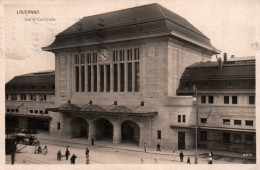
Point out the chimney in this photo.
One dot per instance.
(219, 63)
(225, 57)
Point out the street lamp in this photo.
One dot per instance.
(195, 99)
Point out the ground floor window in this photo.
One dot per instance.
(203, 135)
(159, 134)
(237, 138)
(249, 139)
(226, 137)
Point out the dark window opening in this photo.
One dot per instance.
(121, 55)
(95, 78)
(179, 118)
(237, 138)
(183, 118)
(137, 81)
(130, 77)
(89, 78)
(115, 78)
(249, 139)
(88, 58)
(115, 58)
(203, 120)
(77, 78)
(58, 125)
(36, 111)
(108, 78)
(7, 110)
(101, 78)
(46, 111)
(211, 99)
(41, 111)
(203, 135)
(82, 78)
(237, 122)
(159, 134)
(129, 54)
(82, 59)
(31, 111)
(249, 123)
(251, 99)
(226, 99)
(122, 77)
(23, 96)
(226, 137)
(226, 121)
(234, 99)
(136, 54)
(203, 99)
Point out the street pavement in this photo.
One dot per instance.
(105, 152)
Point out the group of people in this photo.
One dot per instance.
(39, 150)
(73, 157)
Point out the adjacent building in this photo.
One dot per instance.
(27, 98)
(226, 103)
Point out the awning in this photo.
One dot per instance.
(27, 116)
(182, 127)
(227, 129)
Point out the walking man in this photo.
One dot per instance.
(87, 153)
(188, 160)
(158, 147)
(67, 153)
(45, 150)
(181, 156)
(59, 155)
(144, 147)
(73, 159)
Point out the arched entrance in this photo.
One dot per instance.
(130, 132)
(104, 129)
(79, 127)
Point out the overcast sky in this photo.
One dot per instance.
(230, 24)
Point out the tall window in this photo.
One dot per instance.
(129, 77)
(226, 137)
(203, 135)
(137, 80)
(77, 78)
(33, 96)
(179, 118)
(234, 99)
(102, 78)
(122, 77)
(95, 77)
(251, 99)
(226, 99)
(203, 99)
(115, 78)
(249, 139)
(43, 97)
(89, 78)
(23, 96)
(108, 78)
(237, 138)
(211, 99)
(183, 118)
(82, 78)
(159, 134)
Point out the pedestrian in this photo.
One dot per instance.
(174, 155)
(92, 141)
(142, 161)
(35, 149)
(144, 147)
(67, 153)
(181, 156)
(211, 153)
(188, 160)
(158, 147)
(73, 159)
(87, 153)
(13, 151)
(39, 149)
(210, 160)
(59, 155)
(45, 150)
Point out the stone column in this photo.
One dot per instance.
(91, 130)
(117, 138)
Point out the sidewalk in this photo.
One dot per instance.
(135, 148)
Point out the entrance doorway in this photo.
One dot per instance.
(104, 129)
(130, 132)
(181, 140)
(79, 128)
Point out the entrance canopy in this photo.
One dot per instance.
(96, 109)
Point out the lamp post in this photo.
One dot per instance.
(195, 98)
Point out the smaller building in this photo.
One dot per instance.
(226, 103)
(27, 97)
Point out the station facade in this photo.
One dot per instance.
(116, 77)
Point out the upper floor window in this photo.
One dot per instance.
(203, 120)
(226, 99)
(159, 134)
(13, 97)
(183, 118)
(237, 122)
(33, 97)
(6, 96)
(94, 57)
(179, 118)
(249, 123)
(23, 96)
(226, 121)
(211, 99)
(203, 99)
(234, 99)
(251, 99)
(43, 97)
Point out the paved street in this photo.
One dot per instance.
(111, 155)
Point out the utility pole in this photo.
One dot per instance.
(196, 133)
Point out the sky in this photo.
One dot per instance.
(231, 26)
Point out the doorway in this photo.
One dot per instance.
(181, 140)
